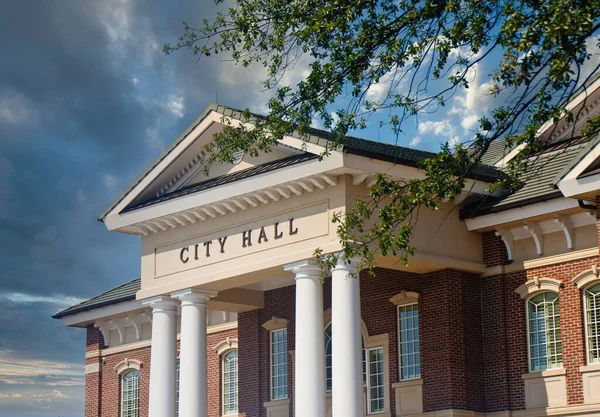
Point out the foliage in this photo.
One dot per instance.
(429, 49)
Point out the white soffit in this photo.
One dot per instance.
(571, 186)
(259, 189)
(520, 213)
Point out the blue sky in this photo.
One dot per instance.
(87, 100)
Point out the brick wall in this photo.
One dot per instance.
(103, 389)
(505, 332)
(494, 251)
(450, 337)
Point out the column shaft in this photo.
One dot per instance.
(309, 384)
(347, 374)
(192, 355)
(163, 357)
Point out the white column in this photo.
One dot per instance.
(163, 357)
(346, 353)
(309, 383)
(192, 353)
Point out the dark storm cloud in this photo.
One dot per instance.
(87, 100)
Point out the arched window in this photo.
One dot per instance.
(543, 324)
(591, 297)
(130, 393)
(229, 366)
(372, 360)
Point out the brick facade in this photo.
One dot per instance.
(473, 340)
(102, 393)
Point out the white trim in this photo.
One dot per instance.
(571, 186)
(126, 365)
(405, 297)
(537, 285)
(587, 277)
(101, 313)
(520, 213)
(225, 192)
(398, 331)
(275, 323)
(226, 345)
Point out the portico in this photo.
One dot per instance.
(222, 240)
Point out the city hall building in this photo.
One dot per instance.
(497, 313)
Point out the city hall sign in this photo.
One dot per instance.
(275, 232)
(203, 249)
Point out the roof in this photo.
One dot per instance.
(496, 151)
(377, 150)
(575, 160)
(122, 293)
(226, 179)
(538, 183)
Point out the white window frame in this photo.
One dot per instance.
(588, 352)
(368, 385)
(135, 412)
(177, 368)
(418, 339)
(585, 280)
(370, 342)
(271, 387)
(527, 318)
(237, 392)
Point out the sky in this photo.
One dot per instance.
(87, 101)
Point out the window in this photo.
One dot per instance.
(328, 357)
(130, 393)
(229, 364)
(177, 391)
(545, 345)
(592, 322)
(375, 378)
(279, 364)
(408, 341)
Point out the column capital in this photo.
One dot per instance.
(350, 265)
(193, 296)
(305, 268)
(161, 303)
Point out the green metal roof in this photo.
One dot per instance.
(537, 184)
(496, 151)
(124, 292)
(376, 150)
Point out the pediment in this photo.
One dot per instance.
(175, 185)
(188, 168)
(581, 178)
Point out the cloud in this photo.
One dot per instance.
(16, 396)
(415, 141)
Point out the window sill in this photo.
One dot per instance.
(408, 383)
(544, 374)
(275, 403)
(592, 367)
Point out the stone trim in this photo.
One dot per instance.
(226, 345)
(593, 367)
(544, 374)
(127, 364)
(537, 285)
(587, 277)
(275, 323)
(405, 297)
(145, 343)
(537, 263)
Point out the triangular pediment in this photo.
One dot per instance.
(178, 178)
(188, 168)
(581, 177)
